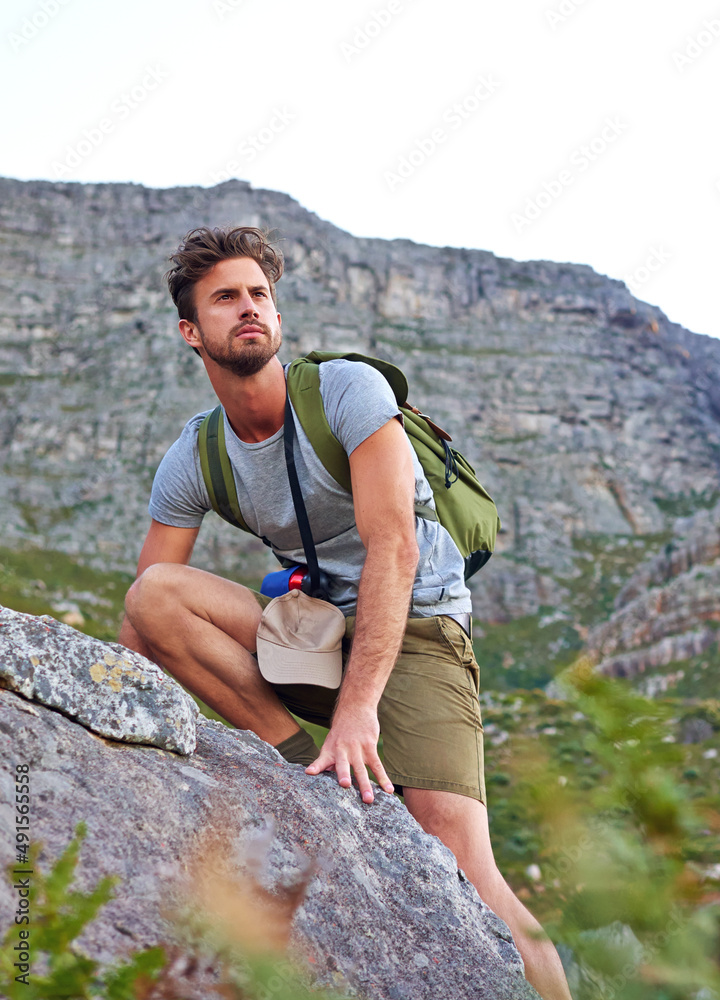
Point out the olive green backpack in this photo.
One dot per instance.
(463, 506)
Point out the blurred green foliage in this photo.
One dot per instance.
(604, 822)
(39, 582)
(599, 832)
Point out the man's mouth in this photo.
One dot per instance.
(250, 330)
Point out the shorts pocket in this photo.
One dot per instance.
(457, 641)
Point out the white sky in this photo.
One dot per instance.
(338, 93)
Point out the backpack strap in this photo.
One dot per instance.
(217, 471)
(304, 390)
(303, 380)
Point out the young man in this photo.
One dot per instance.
(398, 579)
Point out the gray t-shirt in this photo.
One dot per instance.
(358, 401)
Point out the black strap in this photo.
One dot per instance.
(452, 473)
(299, 503)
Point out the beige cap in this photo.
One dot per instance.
(299, 641)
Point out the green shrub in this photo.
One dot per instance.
(57, 916)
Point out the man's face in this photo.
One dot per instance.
(237, 324)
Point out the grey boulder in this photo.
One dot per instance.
(110, 689)
(386, 912)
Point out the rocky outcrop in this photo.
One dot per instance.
(695, 542)
(110, 689)
(666, 611)
(386, 912)
(585, 411)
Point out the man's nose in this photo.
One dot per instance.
(246, 306)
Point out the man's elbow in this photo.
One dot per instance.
(395, 546)
(412, 562)
(406, 554)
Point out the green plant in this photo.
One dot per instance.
(57, 915)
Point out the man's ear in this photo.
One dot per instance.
(189, 333)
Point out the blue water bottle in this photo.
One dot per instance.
(294, 578)
(282, 580)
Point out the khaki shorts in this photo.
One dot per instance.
(429, 713)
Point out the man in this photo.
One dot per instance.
(398, 579)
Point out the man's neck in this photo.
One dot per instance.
(255, 405)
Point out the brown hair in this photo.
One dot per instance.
(202, 248)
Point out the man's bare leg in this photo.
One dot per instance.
(202, 629)
(462, 825)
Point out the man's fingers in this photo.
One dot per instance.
(381, 776)
(328, 761)
(364, 783)
(361, 758)
(342, 769)
(321, 763)
(361, 776)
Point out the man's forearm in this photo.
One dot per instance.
(384, 596)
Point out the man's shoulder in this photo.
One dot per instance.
(185, 445)
(340, 373)
(192, 426)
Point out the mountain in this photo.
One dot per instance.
(593, 420)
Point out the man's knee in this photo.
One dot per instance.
(154, 591)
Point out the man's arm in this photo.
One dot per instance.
(383, 483)
(163, 543)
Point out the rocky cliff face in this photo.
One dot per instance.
(589, 416)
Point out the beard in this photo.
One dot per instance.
(244, 357)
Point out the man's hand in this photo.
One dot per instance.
(352, 743)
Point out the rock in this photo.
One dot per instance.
(696, 730)
(666, 611)
(696, 542)
(113, 691)
(386, 914)
(670, 649)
